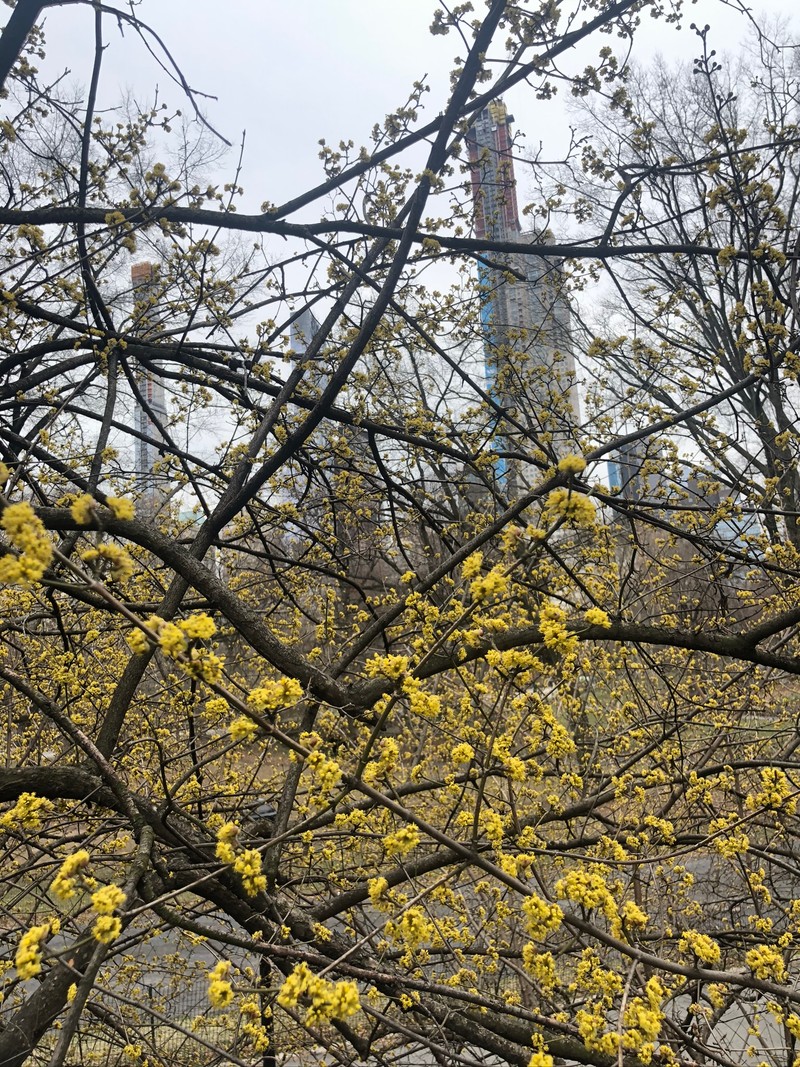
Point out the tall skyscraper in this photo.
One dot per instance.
(149, 407)
(530, 366)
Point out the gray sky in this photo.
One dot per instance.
(291, 73)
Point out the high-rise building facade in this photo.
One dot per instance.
(530, 366)
(149, 409)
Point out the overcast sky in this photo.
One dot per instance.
(289, 73)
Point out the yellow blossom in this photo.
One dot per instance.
(198, 626)
(227, 836)
(82, 509)
(63, 885)
(106, 929)
(377, 888)
(766, 963)
(120, 563)
(327, 772)
(121, 507)
(573, 507)
(776, 792)
(471, 567)
(171, 639)
(598, 617)
(204, 664)
(273, 695)
(401, 841)
(541, 917)
(413, 929)
(243, 729)
(387, 666)
(572, 464)
(327, 1000)
(137, 642)
(26, 813)
(540, 1059)
(704, 948)
(541, 966)
(26, 533)
(248, 866)
(107, 899)
(28, 957)
(220, 990)
(489, 586)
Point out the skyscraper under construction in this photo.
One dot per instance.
(530, 367)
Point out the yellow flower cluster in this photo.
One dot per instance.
(413, 929)
(775, 793)
(575, 508)
(83, 508)
(589, 889)
(198, 626)
(27, 534)
(220, 990)
(643, 1019)
(107, 928)
(730, 840)
(560, 743)
(387, 667)
(120, 563)
(766, 963)
(490, 586)
(327, 1000)
(248, 866)
(540, 966)
(252, 1028)
(227, 836)
(105, 901)
(27, 813)
(243, 729)
(273, 695)
(471, 567)
(247, 863)
(120, 507)
(540, 1058)
(493, 825)
(63, 885)
(401, 841)
(701, 945)
(204, 664)
(462, 753)
(598, 617)
(541, 918)
(426, 705)
(173, 640)
(377, 889)
(633, 915)
(28, 958)
(552, 623)
(572, 464)
(327, 772)
(388, 757)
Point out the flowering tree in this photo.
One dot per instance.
(365, 719)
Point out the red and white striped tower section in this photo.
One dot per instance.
(150, 409)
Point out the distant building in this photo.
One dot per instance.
(530, 366)
(149, 407)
